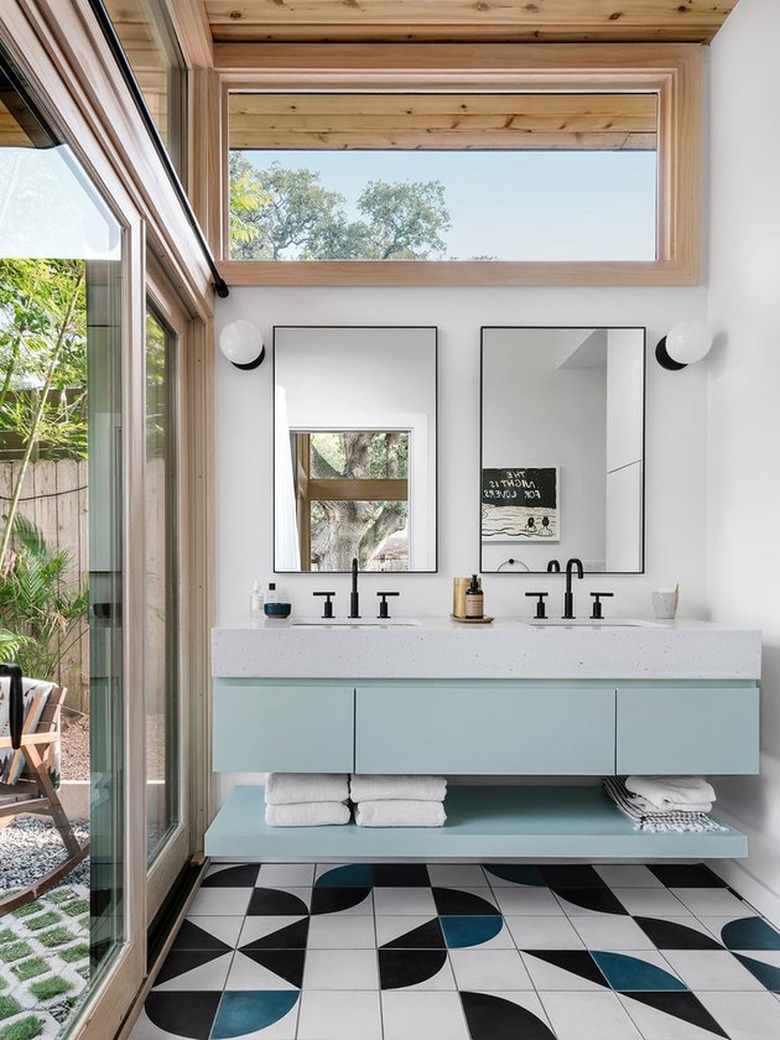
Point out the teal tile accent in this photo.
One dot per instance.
(626, 973)
(469, 930)
(352, 875)
(767, 974)
(750, 933)
(246, 1012)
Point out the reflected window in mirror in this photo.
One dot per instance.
(562, 428)
(355, 448)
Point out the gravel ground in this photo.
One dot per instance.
(29, 847)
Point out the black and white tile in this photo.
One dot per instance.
(358, 951)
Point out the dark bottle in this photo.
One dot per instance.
(474, 599)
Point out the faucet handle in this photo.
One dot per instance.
(596, 613)
(383, 608)
(327, 606)
(540, 604)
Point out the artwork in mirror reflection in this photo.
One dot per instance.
(355, 448)
(562, 448)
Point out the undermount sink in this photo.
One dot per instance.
(592, 623)
(362, 622)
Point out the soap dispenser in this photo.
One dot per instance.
(474, 600)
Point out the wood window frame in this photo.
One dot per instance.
(672, 71)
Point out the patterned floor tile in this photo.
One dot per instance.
(285, 902)
(341, 969)
(571, 875)
(743, 933)
(682, 933)
(219, 902)
(765, 966)
(589, 1016)
(611, 933)
(628, 875)
(286, 875)
(703, 970)
(254, 1014)
(645, 971)
(423, 1016)
(324, 1016)
(193, 970)
(504, 875)
(231, 876)
(209, 933)
(711, 902)
(145, 1029)
(183, 1013)
(545, 933)
(686, 875)
(565, 970)
(579, 902)
(651, 902)
(474, 930)
(506, 1016)
(345, 875)
(535, 901)
(745, 1016)
(415, 970)
(457, 875)
(342, 900)
(274, 933)
(414, 875)
(460, 901)
(670, 1016)
(489, 970)
(341, 931)
(409, 933)
(278, 970)
(392, 900)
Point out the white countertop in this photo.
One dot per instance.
(439, 648)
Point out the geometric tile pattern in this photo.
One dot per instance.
(397, 951)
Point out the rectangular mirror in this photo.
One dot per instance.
(562, 448)
(355, 448)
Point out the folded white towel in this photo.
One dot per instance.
(284, 788)
(400, 812)
(307, 814)
(645, 805)
(665, 791)
(373, 787)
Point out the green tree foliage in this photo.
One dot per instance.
(291, 216)
(43, 362)
(35, 603)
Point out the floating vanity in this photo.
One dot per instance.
(507, 699)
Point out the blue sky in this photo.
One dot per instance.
(533, 205)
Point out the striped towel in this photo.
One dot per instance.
(656, 822)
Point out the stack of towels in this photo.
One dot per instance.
(389, 800)
(306, 799)
(664, 803)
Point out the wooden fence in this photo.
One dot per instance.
(54, 497)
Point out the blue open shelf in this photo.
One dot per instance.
(482, 823)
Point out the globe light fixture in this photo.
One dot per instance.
(242, 345)
(686, 343)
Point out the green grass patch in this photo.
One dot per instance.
(74, 953)
(28, 969)
(85, 923)
(9, 1006)
(28, 908)
(15, 951)
(24, 1029)
(42, 921)
(56, 937)
(7, 935)
(61, 895)
(80, 906)
(48, 988)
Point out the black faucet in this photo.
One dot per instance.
(354, 599)
(553, 567)
(568, 596)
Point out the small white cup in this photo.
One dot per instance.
(664, 603)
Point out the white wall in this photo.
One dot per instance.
(676, 456)
(744, 395)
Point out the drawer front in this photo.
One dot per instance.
(295, 729)
(485, 730)
(687, 729)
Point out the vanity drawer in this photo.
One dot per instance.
(280, 728)
(687, 729)
(475, 729)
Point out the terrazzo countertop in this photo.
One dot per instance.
(440, 648)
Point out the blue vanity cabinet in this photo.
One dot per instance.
(486, 728)
(695, 728)
(281, 727)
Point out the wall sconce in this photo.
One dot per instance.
(242, 345)
(686, 343)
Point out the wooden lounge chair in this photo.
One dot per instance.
(29, 763)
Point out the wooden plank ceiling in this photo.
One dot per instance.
(687, 21)
(442, 121)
